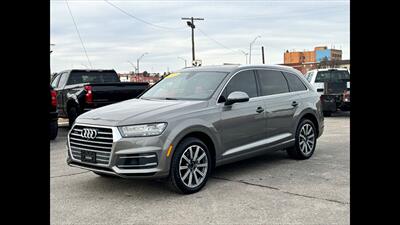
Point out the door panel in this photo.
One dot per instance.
(279, 114)
(279, 105)
(241, 124)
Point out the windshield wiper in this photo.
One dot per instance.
(170, 98)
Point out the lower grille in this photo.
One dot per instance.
(94, 150)
(137, 161)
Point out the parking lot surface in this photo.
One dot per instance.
(268, 189)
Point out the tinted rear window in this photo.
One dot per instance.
(295, 84)
(77, 77)
(332, 76)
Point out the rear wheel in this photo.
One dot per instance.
(306, 140)
(72, 114)
(191, 166)
(53, 129)
(327, 113)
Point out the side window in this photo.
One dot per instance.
(54, 83)
(244, 81)
(63, 79)
(272, 82)
(295, 84)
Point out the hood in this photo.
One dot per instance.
(137, 111)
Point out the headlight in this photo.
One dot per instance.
(143, 130)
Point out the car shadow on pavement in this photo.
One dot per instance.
(340, 114)
(160, 189)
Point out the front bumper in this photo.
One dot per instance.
(139, 157)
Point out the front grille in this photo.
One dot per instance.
(101, 145)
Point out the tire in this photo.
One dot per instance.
(72, 114)
(327, 113)
(53, 129)
(190, 171)
(304, 151)
(104, 175)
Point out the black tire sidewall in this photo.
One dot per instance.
(299, 153)
(174, 174)
(53, 130)
(327, 113)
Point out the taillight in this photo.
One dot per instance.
(346, 96)
(53, 98)
(89, 95)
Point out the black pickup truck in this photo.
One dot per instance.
(79, 91)
(53, 115)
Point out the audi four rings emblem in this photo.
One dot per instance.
(89, 133)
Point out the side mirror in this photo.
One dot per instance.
(237, 96)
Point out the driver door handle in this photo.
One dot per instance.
(260, 109)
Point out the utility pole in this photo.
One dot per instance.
(190, 23)
(262, 53)
(251, 43)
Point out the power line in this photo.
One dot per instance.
(77, 31)
(141, 20)
(219, 43)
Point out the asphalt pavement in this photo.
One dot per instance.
(268, 189)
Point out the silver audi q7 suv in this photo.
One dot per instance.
(196, 119)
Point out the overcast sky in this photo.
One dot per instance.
(112, 38)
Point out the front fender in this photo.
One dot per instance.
(180, 130)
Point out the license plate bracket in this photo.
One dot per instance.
(88, 156)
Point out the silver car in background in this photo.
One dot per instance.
(196, 119)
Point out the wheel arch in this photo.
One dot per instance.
(203, 136)
(312, 117)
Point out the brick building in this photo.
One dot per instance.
(307, 66)
(128, 77)
(315, 56)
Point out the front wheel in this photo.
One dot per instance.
(191, 166)
(305, 142)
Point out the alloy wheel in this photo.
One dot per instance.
(306, 139)
(193, 166)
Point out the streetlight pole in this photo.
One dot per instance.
(183, 60)
(251, 43)
(133, 65)
(137, 64)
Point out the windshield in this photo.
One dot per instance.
(332, 76)
(187, 85)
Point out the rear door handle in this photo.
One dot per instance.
(294, 103)
(260, 109)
